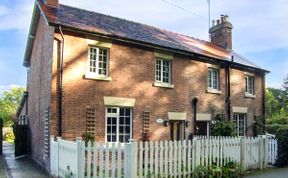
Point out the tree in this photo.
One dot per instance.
(285, 92)
(9, 102)
(272, 105)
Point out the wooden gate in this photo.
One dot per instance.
(21, 137)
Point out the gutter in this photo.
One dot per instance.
(60, 84)
(228, 88)
(194, 108)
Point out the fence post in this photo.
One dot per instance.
(80, 157)
(130, 159)
(242, 153)
(57, 140)
(266, 152)
(262, 153)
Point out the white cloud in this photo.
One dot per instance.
(3, 10)
(8, 87)
(16, 15)
(274, 84)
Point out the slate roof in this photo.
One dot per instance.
(120, 28)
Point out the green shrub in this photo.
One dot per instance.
(272, 129)
(229, 170)
(232, 170)
(9, 137)
(282, 139)
(224, 128)
(88, 136)
(201, 172)
(280, 120)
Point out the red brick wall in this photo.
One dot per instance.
(39, 88)
(255, 106)
(132, 70)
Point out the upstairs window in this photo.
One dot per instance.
(249, 80)
(98, 61)
(213, 79)
(163, 71)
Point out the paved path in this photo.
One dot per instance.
(271, 173)
(22, 167)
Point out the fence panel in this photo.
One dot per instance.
(157, 159)
(53, 157)
(68, 158)
(272, 151)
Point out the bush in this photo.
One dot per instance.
(9, 137)
(224, 128)
(272, 129)
(282, 139)
(229, 170)
(280, 121)
(88, 136)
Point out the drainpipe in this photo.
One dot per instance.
(60, 88)
(264, 103)
(228, 88)
(194, 108)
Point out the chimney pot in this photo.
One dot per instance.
(225, 18)
(222, 18)
(213, 23)
(218, 21)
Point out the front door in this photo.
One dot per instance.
(176, 130)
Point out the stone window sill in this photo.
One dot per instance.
(164, 85)
(248, 95)
(213, 91)
(97, 77)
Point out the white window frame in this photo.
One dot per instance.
(117, 115)
(237, 121)
(212, 79)
(96, 73)
(161, 71)
(247, 85)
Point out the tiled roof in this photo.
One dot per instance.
(121, 28)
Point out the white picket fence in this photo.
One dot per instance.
(163, 159)
(272, 151)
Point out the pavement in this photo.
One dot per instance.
(23, 167)
(270, 173)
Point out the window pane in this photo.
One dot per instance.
(127, 137)
(127, 112)
(92, 58)
(166, 71)
(102, 61)
(127, 129)
(209, 78)
(122, 111)
(121, 138)
(158, 70)
(121, 120)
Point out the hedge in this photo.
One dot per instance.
(272, 129)
(282, 139)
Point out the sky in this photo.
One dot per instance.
(259, 28)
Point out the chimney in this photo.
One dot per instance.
(221, 32)
(52, 3)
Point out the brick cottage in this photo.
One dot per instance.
(89, 72)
